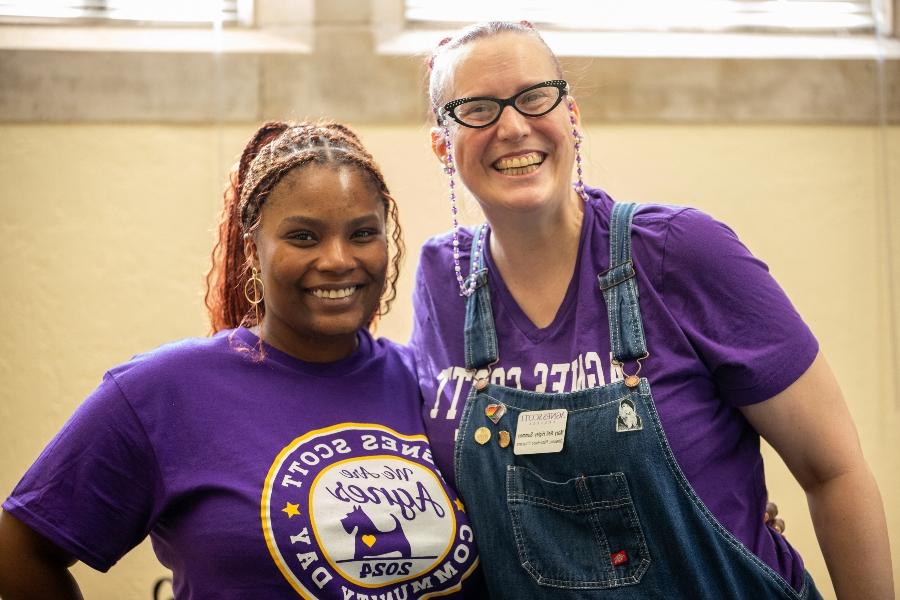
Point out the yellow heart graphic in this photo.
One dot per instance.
(368, 540)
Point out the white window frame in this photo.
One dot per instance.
(298, 52)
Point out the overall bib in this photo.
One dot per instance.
(610, 515)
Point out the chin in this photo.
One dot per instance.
(524, 200)
(339, 328)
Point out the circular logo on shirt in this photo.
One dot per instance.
(356, 507)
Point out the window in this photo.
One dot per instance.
(233, 12)
(797, 16)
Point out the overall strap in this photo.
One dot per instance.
(480, 333)
(619, 286)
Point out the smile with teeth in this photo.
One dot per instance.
(334, 294)
(520, 165)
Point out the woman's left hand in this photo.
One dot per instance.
(771, 518)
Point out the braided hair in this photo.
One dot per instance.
(276, 148)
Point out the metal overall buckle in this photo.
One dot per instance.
(482, 382)
(634, 379)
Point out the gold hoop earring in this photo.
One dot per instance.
(255, 291)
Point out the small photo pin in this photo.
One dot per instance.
(628, 419)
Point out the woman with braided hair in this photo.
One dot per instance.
(597, 376)
(283, 456)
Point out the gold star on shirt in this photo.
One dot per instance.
(459, 505)
(291, 509)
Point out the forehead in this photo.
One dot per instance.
(324, 189)
(500, 65)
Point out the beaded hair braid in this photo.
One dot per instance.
(275, 149)
(438, 66)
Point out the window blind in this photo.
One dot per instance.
(155, 11)
(805, 16)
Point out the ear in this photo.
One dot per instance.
(439, 144)
(250, 251)
(573, 106)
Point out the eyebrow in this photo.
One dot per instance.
(313, 222)
(498, 97)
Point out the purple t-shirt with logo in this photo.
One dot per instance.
(272, 479)
(720, 331)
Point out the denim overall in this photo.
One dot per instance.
(610, 515)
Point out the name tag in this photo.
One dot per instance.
(541, 431)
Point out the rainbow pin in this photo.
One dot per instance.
(495, 412)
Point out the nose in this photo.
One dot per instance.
(336, 256)
(512, 125)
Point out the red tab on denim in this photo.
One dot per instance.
(619, 558)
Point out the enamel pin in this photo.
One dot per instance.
(503, 438)
(495, 412)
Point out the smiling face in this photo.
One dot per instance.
(321, 250)
(520, 163)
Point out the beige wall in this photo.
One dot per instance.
(107, 231)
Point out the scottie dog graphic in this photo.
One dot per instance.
(370, 541)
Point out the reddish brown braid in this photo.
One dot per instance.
(274, 150)
(225, 301)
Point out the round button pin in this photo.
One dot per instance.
(482, 435)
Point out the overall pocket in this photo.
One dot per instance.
(582, 533)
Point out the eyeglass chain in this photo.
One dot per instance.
(467, 286)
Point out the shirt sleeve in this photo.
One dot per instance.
(737, 317)
(423, 328)
(434, 294)
(92, 490)
(422, 307)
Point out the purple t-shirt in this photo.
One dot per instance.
(276, 479)
(720, 331)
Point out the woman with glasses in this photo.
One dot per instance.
(597, 375)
